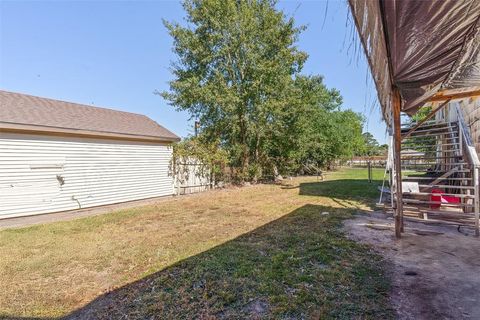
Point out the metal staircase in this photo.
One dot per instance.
(440, 172)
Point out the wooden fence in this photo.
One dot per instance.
(375, 161)
(191, 176)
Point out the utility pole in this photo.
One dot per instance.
(196, 127)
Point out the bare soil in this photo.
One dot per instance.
(435, 270)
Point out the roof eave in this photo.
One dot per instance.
(57, 131)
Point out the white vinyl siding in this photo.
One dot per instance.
(42, 174)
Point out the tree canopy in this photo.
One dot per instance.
(371, 147)
(238, 73)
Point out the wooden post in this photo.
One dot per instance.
(397, 146)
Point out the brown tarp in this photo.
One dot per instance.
(421, 47)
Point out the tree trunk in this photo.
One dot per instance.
(245, 162)
(245, 152)
(257, 156)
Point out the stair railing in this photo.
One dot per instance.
(467, 147)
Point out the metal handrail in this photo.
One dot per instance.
(466, 143)
(466, 139)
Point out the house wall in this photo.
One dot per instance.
(42, 174)
(471, 113)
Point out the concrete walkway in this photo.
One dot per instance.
(434, 269)
(75, 214)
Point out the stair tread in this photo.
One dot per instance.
(433, 129)
(445, 213)
(444, 186)
(427, 151)
(445, 204)
(426, 158)
(425, 166)
(441, 164)
(446, 216)
(424, 136)
(431, 145)
(430, 123)
(438, 221)
(438, 171)
(465, 196)
(436, 178)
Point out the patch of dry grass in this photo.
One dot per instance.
(51, 270)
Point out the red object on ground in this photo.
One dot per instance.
(451, 199)
(441, 198)
(436, 198)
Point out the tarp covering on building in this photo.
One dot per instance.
(421, 47)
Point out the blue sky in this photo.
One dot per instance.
(117, 53)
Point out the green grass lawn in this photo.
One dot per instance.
(266, 251)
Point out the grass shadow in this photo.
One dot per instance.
(299, 266)
(348, 190)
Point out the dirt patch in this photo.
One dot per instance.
(257, 308)
(434, 269)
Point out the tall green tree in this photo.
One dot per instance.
(327, 132)
(370, 146)
(234, 73)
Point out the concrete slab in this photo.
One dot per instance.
(434, 269)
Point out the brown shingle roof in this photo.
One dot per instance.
(48, 115)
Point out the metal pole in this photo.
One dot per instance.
(460, 138)
(477, 202)
(369, 168)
